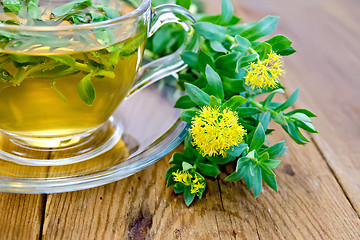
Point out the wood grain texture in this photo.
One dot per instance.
(310, 204)
(326, 67)
(21, 216)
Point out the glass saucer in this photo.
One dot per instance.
(151, 129)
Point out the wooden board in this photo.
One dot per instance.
(326, 68)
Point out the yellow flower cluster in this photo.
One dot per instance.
(266, 73)
(214, 132)
(188, 179)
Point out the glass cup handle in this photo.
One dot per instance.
(167, 65)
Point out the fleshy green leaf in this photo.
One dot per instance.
(280, 119)
(187, 166)
(234, 103)
(279, 43)
(184, 3)
(86, 90)
(241, 44)
(287, 52)
(269, 98)
(188, 115)
(197, 95)
(270, 181)
(203, 60)
(184, 102)
(190, 58)
(179, 188)
(214, 82)
(289, 102)
(244, 112)
(257, 183)
(210, 31)
(227, 12)
(188, 196)
(262, 28)
(275, 149)
(258, 138)
(263, 49)
(210, 170)
(237, 150)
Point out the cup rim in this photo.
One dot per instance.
(144, 6)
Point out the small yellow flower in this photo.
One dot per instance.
(192, 180)
(266, 73)
(183, 177)
(214, 132)
(195, 188)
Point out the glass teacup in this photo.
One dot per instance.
(60, 85)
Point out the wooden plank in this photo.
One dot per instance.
(21, 216)
(326, 68)
(310, 203)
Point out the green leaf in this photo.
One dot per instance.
(86, 90)
(269, 98)
(306, 126)
(188, 196)
(13, 5)
(234, 103)
(244, 112)
(210, 170)
(265, 119)
(221, 160)
(190, 58)
(263, 157)
(275, 149)
(171, 170)
(227, 64)
(304, 111)
(227, 12)
(184, 102)
(218, 47)
(241, 170)
(237, 150)
(63, 9)
(242, 44)
(293, 131)
(301, 117)
(214, 82)
(111, 13)
(263, 49)
(186, 166)
(246, 60)
(279, 43)
(289, 102)
(214, 102)
(248, 176)
(271, 164)
(258, 138)
(270, 181)
(232, 86)
(188, 115)
(210, 31)
(242, 163)
(203, 60)
(257, 183)
(262, 28)
(236, 176)
(280, 119)
(237, 29)
(179, 188)
(197, 95)
(184, 3)
(286, 52)
(178, 158)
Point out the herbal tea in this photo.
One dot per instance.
(59, 92)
